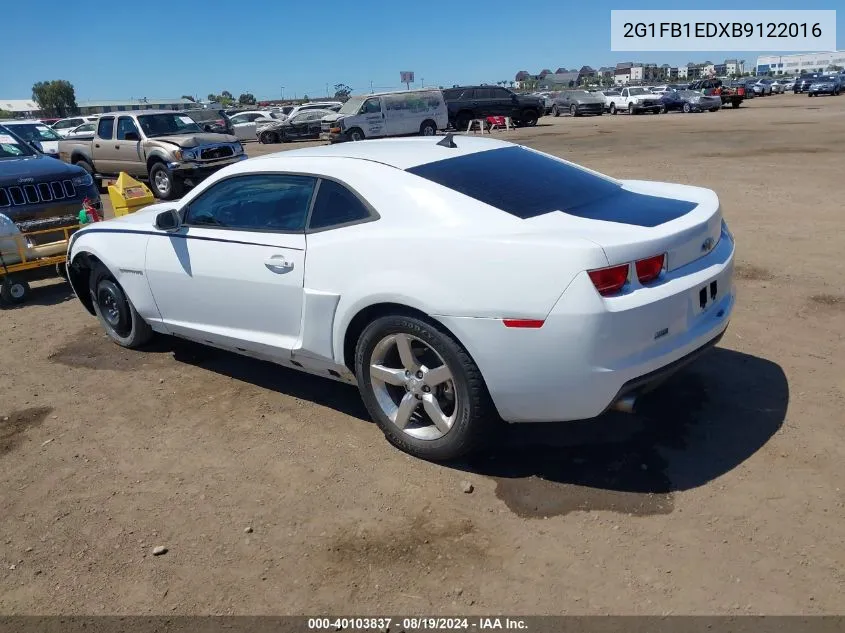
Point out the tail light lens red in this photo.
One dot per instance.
(609, 281)
(649, 269)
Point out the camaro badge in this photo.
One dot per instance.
(707, 245)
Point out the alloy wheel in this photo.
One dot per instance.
(414, 386)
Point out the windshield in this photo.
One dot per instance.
(638, 91)
(352, 106)
(165, 124)
(35, 132)
(10, 147)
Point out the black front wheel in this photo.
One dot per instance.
(529, 118)
(115, 311)
(555, 111)
(428, 128)
(573, 110)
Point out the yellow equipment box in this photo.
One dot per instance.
(127, 195)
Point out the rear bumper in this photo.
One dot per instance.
(591, 350)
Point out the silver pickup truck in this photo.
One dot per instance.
(167, 148)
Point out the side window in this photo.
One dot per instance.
(483, 93)
(105, 128)
(124, 125)
(371, 106)
(255, 116)
(334, 205)
(259, 202)
(239, 118)
(501, 93)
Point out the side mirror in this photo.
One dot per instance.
(131, 136)
(168, 221)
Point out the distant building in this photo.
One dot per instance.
(559, 81)
(734, 66)
(20, 107)
(122, 105)
(799, 63)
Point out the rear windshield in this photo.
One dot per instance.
(526, 184)
(517, 180)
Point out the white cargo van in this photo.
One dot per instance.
(387, 114)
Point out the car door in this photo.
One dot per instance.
(128, 155)
(298, 126)
(232, 275)
(244, 126)
(104, 153)
(373, 117)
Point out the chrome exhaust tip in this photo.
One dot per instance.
(626, 404)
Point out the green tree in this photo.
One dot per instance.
(189, 98)
(6, 115)
(212, 96)
(342, 92)
(246, 98)
(55, 98)
(305, 97)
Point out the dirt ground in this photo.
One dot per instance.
(274, 494)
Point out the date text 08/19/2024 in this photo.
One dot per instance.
(418, 624)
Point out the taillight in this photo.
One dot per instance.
(609, 281)
(524, 323)
(649, 269)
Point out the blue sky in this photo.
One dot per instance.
(202, 46)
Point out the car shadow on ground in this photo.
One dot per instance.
(699, 425)
(338, 396)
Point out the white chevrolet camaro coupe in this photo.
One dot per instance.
(456, 280)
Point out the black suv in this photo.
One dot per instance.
(477, 102)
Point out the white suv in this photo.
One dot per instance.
(62, 127)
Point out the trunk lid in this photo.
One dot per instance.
(645, 219)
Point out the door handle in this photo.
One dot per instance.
(278, 264)
(117, 146)
(96, 144)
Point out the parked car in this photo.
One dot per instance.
(634, 100)
(828, 85)
(36, 193)
(762, 87)
(245, 124)
(307, 124)
(777, 87)
(334, 106)
(63, 126)
(578, 102)
(212, 120)
(788, 84)
(86, 130)
(607, 95)
(478, 102)
(689, 101)
(283, 258)
(37, 134)
(167, 148)
(802, 83)
(387, 114)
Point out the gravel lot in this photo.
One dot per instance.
(273, 493)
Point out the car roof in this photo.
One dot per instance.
(402, 153)
(140, 112)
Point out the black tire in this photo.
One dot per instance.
(573, 110)
(734, 104)
(428, 128)
(613, 109)
(121, 322)
(714, 109)
(475, 413)
(528, 118)
(555, 111)
(61, 270)
(462, 121)
(664, 109)
(268, 137)
(90, 169)
(13, 291)
(631, 109)
(687, 108)
(163, 183)
(356, 134)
